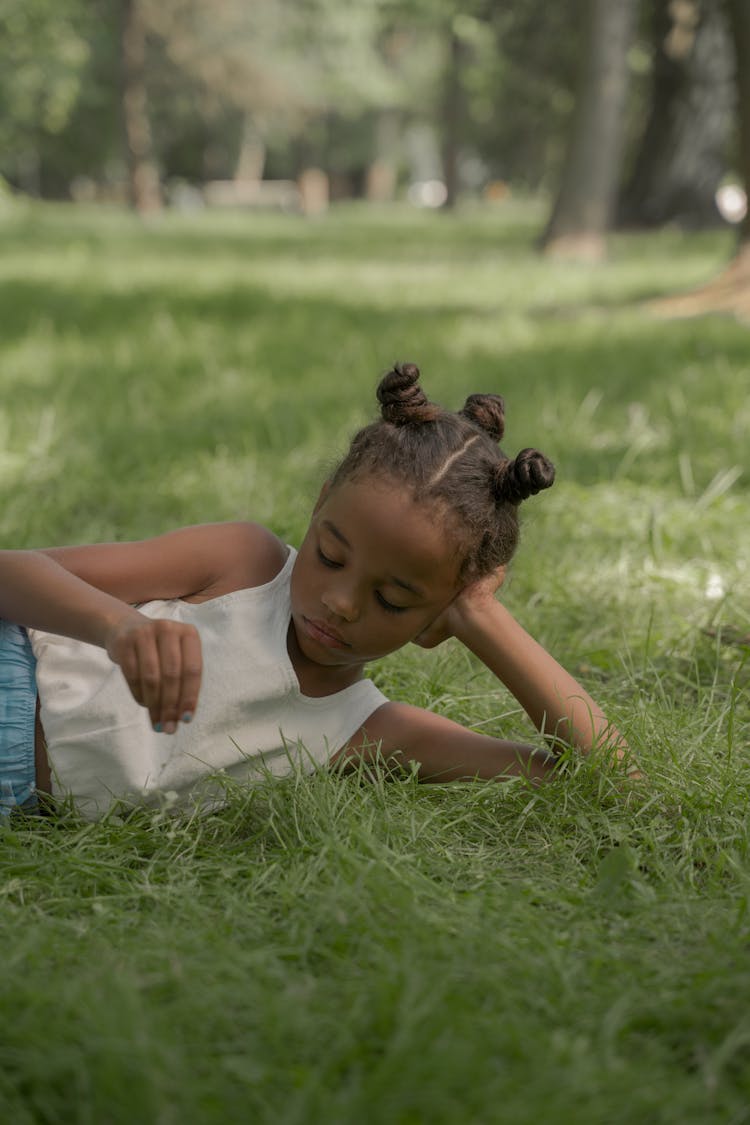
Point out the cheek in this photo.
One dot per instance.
(300, 583)
(400, 631)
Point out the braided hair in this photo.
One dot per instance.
(451, 460)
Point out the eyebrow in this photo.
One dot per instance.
(336, 533)
(407, 586)
(418, 593)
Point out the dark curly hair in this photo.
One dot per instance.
(452, 460)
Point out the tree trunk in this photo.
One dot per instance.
(730, 291)
(682, 156)
(739, 19)
(582, 212)
(143, 179)
(382, 174)
(452, 118)
(251, 159)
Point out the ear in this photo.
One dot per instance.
(322, 497)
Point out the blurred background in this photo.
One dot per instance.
(624, 113)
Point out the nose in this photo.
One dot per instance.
(341, 602)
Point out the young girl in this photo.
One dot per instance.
(219, 648)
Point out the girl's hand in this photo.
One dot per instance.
(468, 601)
(162, 662)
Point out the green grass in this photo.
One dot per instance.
(344, 950)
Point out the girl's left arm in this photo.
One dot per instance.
(560, 708)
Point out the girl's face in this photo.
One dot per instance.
(373, 571)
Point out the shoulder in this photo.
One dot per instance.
(240, 555)
(194, 563)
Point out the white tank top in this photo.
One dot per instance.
(251, 715)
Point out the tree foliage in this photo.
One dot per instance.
(471, 91)
(45, 47)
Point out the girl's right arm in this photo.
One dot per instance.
(87, 593)
(556, 703)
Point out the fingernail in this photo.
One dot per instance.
(170, 727)
(158, 728)
(187, 716)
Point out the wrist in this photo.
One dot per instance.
(115, 622)
(477, 616)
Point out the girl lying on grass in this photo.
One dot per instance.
(219, 648)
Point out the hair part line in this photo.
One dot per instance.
(450, 460)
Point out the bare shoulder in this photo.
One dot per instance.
(194, 563)
(239, 555)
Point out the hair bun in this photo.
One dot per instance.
(531, 472)
(487, 412)
(402, 400)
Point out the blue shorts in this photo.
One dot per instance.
(17, 716)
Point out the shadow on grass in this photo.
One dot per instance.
(158, 373)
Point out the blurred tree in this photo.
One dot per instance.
(739, 13)
(522, 92)
(229, 65)
(143, 178)
(582, 211)
(90, 148)
(44, 51)
(730, 291)
(683, 152)
(468, 48)
(223, 88)
(264, 73)
(453, 111)
(446, 51)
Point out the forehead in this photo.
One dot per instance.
(393, 533)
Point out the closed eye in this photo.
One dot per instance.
(389, 607)
(328, 562)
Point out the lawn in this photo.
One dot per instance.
(347, 950)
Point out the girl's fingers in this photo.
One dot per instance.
(192, 667)
(130, 670)
(149, 674)
(170, 677)
(161, 661)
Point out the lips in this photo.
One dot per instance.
(323, 634)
